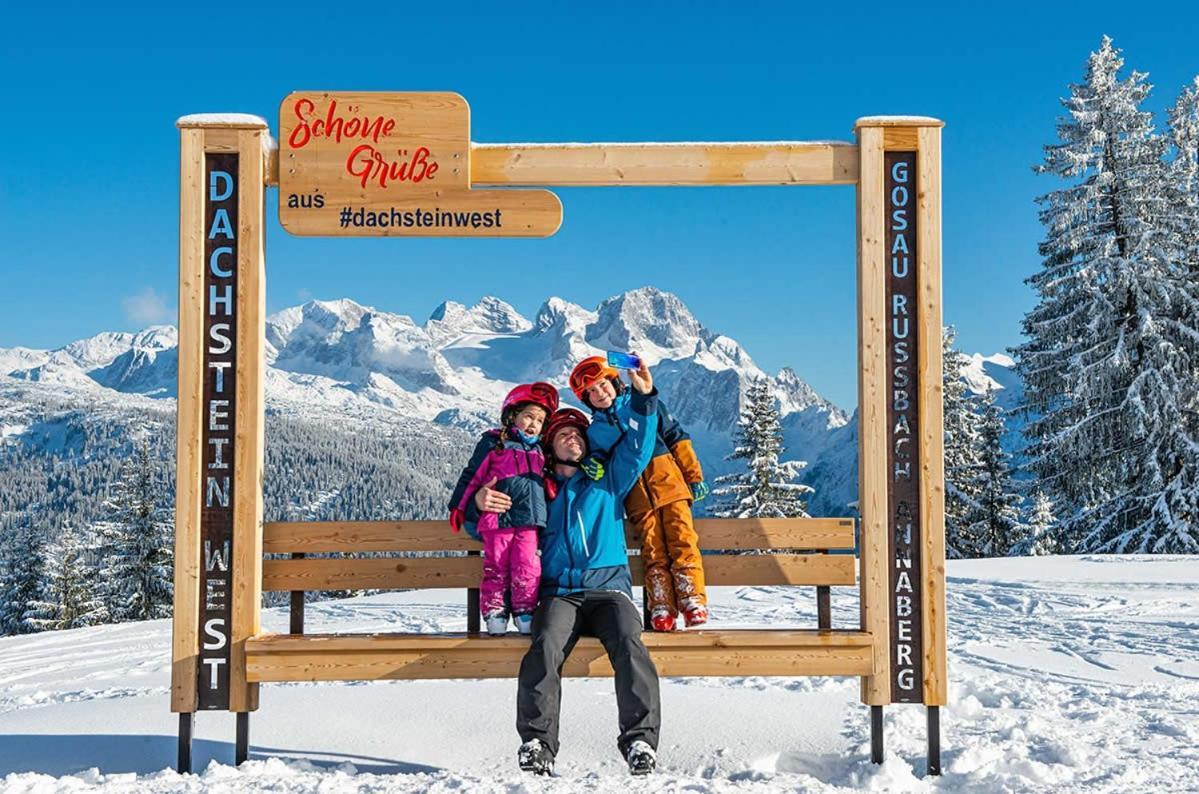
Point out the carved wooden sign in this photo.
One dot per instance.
(393, 164)
(903, 469)
(220, 372)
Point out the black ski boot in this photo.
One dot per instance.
(641, 757)
(535, 756)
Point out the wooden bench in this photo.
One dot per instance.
(789, 552)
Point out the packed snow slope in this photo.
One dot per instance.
(1067, 674)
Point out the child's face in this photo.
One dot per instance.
(601, 394)
(529, 420)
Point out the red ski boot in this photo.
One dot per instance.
(694, 613)
(662, 620)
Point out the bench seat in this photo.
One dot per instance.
(730, 652)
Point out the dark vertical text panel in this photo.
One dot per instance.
(220, 354)
(903, 464)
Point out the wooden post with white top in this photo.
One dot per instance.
(901, 452)
(220, 423)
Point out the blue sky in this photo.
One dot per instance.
(88, 192)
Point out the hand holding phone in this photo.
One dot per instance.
(624, 361)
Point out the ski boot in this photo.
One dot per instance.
(496, 623)
(535, 756)
(641, 758)
(661, 619)
(524, 623)
(694, 613)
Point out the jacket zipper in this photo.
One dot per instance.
(583, 535)
(566, 533)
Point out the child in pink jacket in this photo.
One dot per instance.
(509, 460)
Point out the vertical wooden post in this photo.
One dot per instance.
(903, 513)
(204, 139)
(185, 627)
(249, 444)
(872, 414)
(932, 421)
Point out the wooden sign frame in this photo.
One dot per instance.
(897, 639)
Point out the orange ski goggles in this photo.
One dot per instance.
(589, 372)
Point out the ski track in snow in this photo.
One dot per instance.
(1067, 674)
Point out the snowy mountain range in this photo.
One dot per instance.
(338, 358)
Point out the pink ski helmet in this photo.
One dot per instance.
(539, 393)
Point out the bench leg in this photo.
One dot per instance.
(824, 610)
(242, 750)
(472, 602)
(472, 610)
(934, 740)
(876, 734)
(297, 603)
(187, 721)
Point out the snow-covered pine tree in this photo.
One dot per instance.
(1038, 537)
(1183, 177)
(136, 544)
(993, 525)
(69, 597)
(21, 554)
(766, 487)
(1103, 370)
(962, 459)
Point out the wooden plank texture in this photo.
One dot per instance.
(393, 573)
(872, 450)
(249, 445)
(374, 657)
(681, 164)
(315, 537)
(699, 164)
(393, 164)
(932, 451)
(808, 534)
(318, 537)
(188, 458)
(730, 570)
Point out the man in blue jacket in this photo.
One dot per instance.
(586, 588)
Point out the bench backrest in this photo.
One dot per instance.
(793, 551)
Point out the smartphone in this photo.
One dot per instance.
(623, 360)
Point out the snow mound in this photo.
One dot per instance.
(1067, 674)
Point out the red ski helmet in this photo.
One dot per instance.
(567, 417)
(540, 394)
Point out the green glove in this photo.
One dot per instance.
(700, 490)
(593, 467)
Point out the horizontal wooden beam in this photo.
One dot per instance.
(316, 537)
(691, 653)
(654, 164)
(397, 573)
(665, 164)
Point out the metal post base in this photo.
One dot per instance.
(187, 721)
(934, 740)
(242, 752)
(876, 734)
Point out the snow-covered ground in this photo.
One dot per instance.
(1067, 674)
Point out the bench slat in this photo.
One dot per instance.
(395, 573)
(701, 638)
(730, 570)
(316, 537)
(807, 534)
(376, 657)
